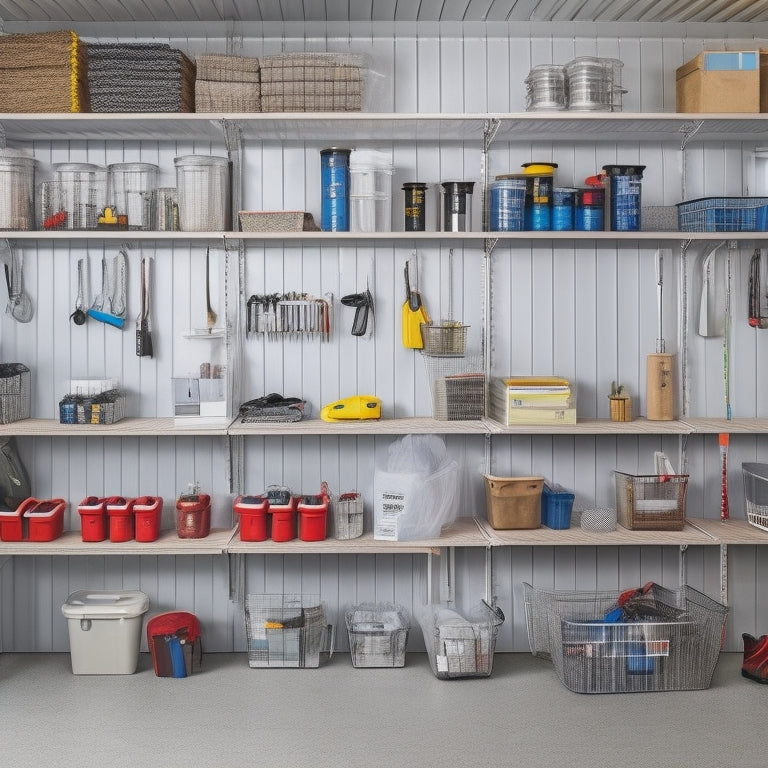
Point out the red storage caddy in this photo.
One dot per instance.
(94, 524)
(33, 520)
(253, 511)
(121, 523)
(193, 515)
(147, 512)
(313, 517)
(282, 510)
(174, 640)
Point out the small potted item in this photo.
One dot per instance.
(621, 403)
(193, 514)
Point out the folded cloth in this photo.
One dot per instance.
(272, 408)
(219, 67)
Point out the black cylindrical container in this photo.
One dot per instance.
(456, 206)
(415, 197)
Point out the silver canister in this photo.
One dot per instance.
(203, 185)
(17, 196)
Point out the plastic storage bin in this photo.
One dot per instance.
(82, 190)
(459, 646)
(147, 513)
(253, 512)
(370, 184)
(94, 523)
(556, 506)
(723, 214)
(378, 634)
(513, 502)
(312, 513)
(755, 476)
(673, 647)
(203, 189)
(287, 631)
(105, 631)
(282, 511)
(33, 520)
(651, 502)
(121, 519)
(129, 190)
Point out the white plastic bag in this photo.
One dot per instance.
(417, 494)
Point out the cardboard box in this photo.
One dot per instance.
(724, 81)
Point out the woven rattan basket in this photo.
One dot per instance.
(277, 221)
(215, 96)
(227, 69)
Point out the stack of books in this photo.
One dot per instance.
(533, 400)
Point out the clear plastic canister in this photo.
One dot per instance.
(17, 191)
(334, 178)
(83, 190)
(456, 206)
(370, 183)
(507, 204)
(165, 209)
(203, 187)
(129, 192)
(589, 210)
(545, 88)
(624, 196)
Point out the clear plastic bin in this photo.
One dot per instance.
(378, 634)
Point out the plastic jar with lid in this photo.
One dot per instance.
(129, 191)
(83, 191)
(17, 191)
(563, 207)
(624, 196)
(507, 204)
(589, 211)
(334, 179)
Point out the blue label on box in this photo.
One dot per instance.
(731, 60)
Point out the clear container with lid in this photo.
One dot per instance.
(594, 84)
(507, 203)
(17, 191)
(83, 190)
(129, 192)
(545, 88)
(203, 188)
(370, 185)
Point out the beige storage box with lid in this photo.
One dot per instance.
(105, 630)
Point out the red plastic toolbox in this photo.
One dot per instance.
(121, 522)
(253, 511)
(46, 519)
(12, 523)
(93, 519)
(313, 517)
(147, 511)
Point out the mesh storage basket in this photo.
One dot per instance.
(105, 408)
(458, 387)
(723, 214)
(459, 646)
(227, 68)
(378, 633)
(215, 96)
(755, 477)
(675, 647)
(15, 392)
(651, 502)
(288, 630)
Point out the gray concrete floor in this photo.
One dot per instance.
(232, 715)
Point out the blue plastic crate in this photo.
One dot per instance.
(723, 214)
(556, 506)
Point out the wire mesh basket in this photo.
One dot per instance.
(348, 515)
(674, 647)
(277, 221)
(15, 392)
(105, 408)
(651, 502)
(378, 634)
(458, 387)
(723, 214)
(217, 96)
(755, 477)
(459, 646)
(446, 340)
(289, 630)
(220, 67)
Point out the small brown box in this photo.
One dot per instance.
(513, 502)
(723, 81)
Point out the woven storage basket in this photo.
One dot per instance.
(311, 88)
(228, 69)
(215, 96)
(277, 221)
(289, 73)
(311, 103)
(43, 72)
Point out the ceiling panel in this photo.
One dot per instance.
(63, 11)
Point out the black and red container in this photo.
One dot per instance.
(193, 516)
(313, 517)
(282, 513)
(254, 517)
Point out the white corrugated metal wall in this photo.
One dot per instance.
(584, 311)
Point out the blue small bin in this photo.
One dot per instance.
(556, 506)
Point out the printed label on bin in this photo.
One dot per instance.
(730, 60)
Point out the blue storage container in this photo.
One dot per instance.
(556, 506)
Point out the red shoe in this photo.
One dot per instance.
(755, 665)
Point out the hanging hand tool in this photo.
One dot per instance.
(210, 315)
(97, 310)
(708, 326)
(756, 318)
(660, 391)
(19, 305)
(79, 316)
(364, 307)
(414, 312)
(143, 335)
